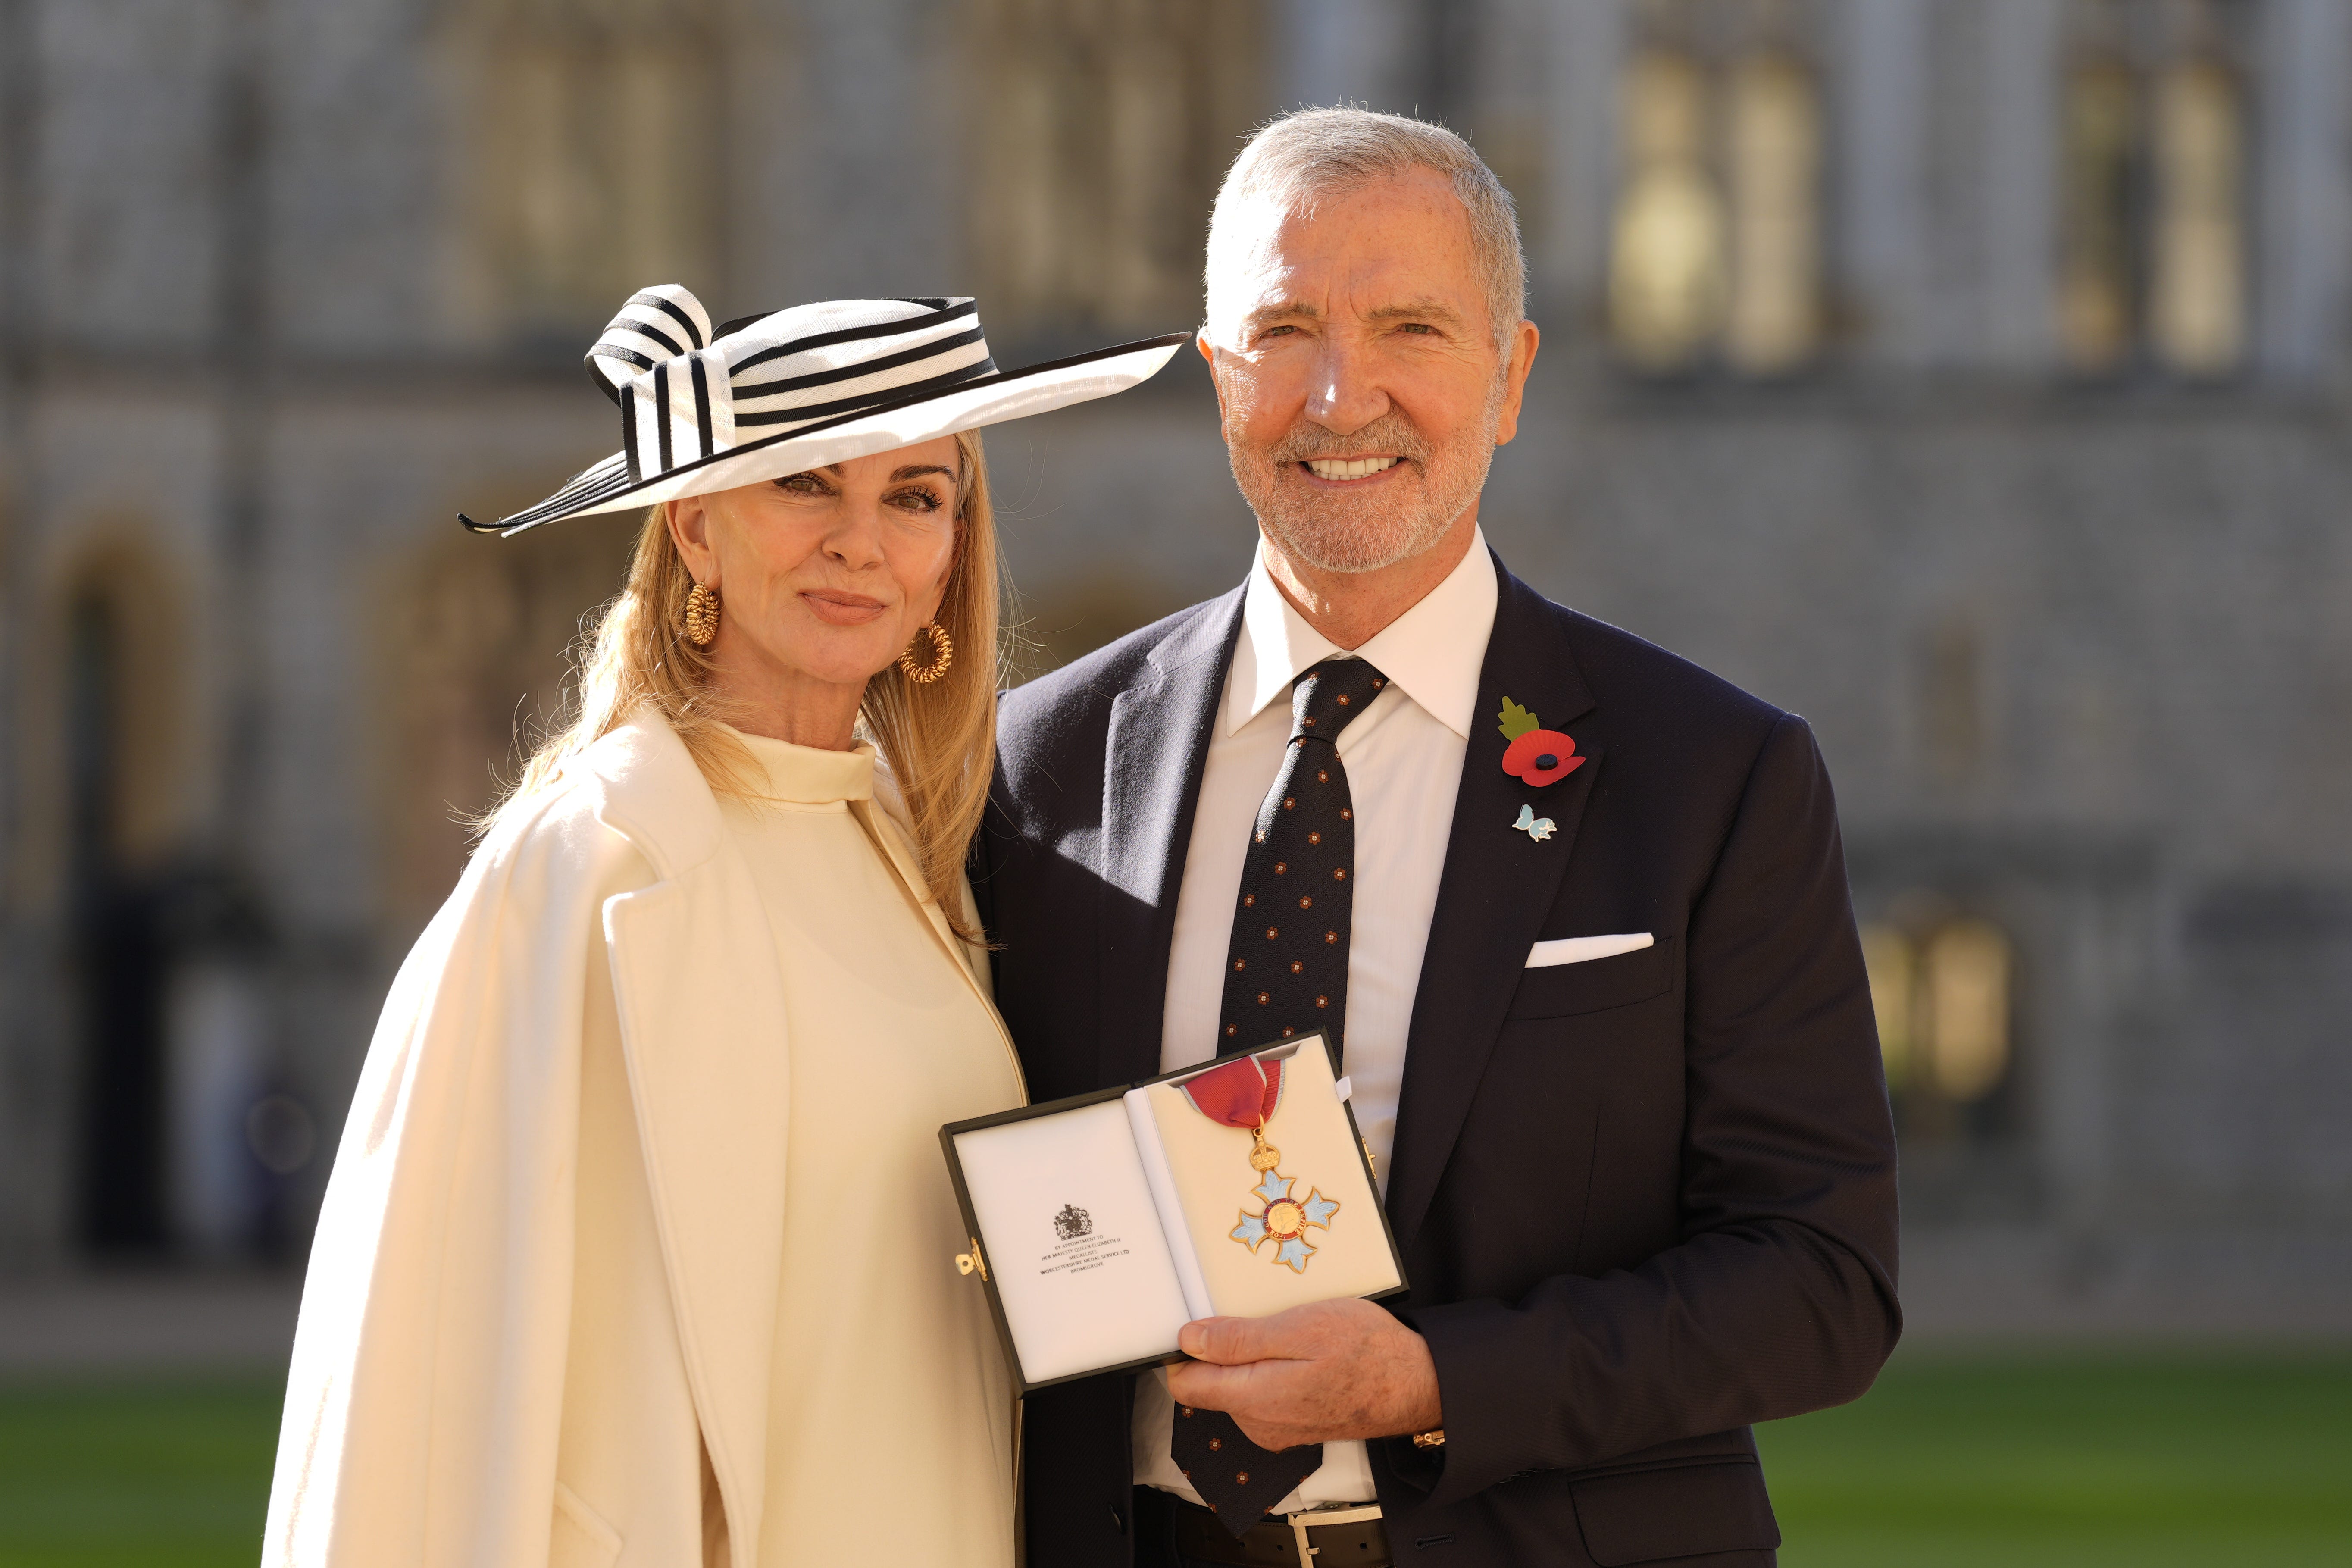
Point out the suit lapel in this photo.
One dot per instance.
(1497, 885)
(1155, 749)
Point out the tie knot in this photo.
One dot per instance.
(1329, 695)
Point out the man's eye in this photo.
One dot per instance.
(1422, 327)
(1277, 332)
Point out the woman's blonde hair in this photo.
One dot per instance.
(939, 740)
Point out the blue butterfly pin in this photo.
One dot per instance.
(1536, 827)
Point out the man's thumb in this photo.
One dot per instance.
(1225, 1342)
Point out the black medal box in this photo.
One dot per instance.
(1100, 1225)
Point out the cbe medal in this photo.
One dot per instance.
(1241, 1094)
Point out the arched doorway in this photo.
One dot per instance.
(119, 708)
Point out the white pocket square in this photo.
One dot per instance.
(1584, 949)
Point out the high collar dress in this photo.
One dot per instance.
(890, 1413)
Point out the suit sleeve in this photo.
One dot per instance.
(1779, 1298)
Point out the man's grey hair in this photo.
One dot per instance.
(1295, 161)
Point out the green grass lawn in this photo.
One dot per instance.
(2020, 1461)
(2083, 1460)
(123, 1475)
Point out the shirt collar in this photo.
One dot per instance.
(1433, 650)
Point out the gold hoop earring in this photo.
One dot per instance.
(701, 616)
(943, 654)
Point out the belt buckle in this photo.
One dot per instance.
(1342, 1513)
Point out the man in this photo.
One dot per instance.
(1585, 942)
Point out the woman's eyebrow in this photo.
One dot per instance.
(916, 470)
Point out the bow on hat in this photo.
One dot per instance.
(675, 391)
(683, 390)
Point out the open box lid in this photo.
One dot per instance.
(1067, 1207)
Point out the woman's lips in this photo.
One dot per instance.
(839, 609)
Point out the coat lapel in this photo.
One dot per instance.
(892, 839)
(709, 1072)
(1497, 885)
(1156, 748)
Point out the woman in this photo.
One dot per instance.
(638, 1246)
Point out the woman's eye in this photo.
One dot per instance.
(918, 500)
(801, 484)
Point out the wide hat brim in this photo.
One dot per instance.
(926, 416)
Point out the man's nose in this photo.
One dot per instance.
(1344, 396)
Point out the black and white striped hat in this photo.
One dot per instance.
(776, 395)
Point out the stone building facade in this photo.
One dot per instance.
(1968, 376)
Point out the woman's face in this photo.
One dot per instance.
(823, 577)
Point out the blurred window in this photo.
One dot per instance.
(1718, 247)
(597, 141)
(2152, 221)
(1666, 279)
(2097, 283)
(1941, 985)
(1100, 135)
(2196, 313)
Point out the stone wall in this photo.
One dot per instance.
(2077, 654)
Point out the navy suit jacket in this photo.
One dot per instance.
(1643, 1201)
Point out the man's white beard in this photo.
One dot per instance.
(1393, 522)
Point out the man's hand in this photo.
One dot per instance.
(1316, 1374)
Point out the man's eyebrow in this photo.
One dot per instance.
(1276, 312)
(1425, 310)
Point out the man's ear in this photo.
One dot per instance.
(1209, 353)
(1515, 380)
(689, 528)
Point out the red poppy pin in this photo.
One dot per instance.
(1538, 756)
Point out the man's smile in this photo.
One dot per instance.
(1348, 470)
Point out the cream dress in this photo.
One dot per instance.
(891, 1415)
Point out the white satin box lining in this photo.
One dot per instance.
(1584, 949)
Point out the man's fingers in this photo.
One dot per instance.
(1227, 1341)
(1238, 1391)
(1206, 1385)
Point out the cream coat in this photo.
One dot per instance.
(424, 1403)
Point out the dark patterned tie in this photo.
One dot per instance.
(1285, 973)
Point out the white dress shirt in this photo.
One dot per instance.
(1403, 757)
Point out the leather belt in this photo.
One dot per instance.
(1320, 1538)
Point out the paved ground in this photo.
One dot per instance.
(1957, 1287)
(146, 1322)
(2185, 1285)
